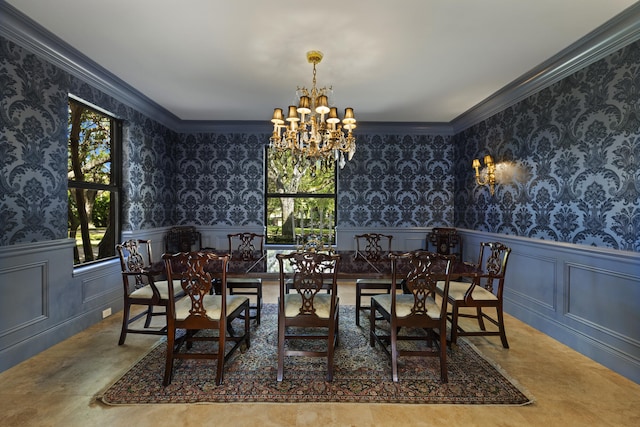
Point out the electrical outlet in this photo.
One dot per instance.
(106, 312)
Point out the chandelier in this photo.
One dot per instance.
(313, 133)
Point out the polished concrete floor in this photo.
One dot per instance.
(57, 388)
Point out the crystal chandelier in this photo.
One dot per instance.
(313, 132)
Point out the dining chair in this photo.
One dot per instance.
(200, 312)
(141, 288)
(485, 291)
(183, 238)
(445, 241)
(249, 248)
(408, 315)
(371, 247)
(304, 313)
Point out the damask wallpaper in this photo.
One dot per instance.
(33, 152)
(392, 181)
(568, 160)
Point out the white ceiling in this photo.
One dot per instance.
(402, 60)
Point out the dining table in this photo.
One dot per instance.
(353, 265)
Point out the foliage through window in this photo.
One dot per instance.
(300, 200)
(94, 182)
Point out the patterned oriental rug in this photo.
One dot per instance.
(362, 374)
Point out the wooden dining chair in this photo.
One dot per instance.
(371, 247)
(183, 238)
(141, 288)
(200, 312)
(485, 291)
(305, 308)
(418, 310)
(445, 241)
(249, 248)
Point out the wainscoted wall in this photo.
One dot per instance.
(567, 202)
(568, 161)
(43, 300)
(586, 299)
(569, 184)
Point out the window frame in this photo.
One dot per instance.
(299, 195)
(114, 187)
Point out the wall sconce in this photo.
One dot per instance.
(488, 176)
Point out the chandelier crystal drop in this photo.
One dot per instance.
(312, 131)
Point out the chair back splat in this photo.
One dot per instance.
(415, 315)
(184, 238)
(445, 241)
(302, 308)
(371, 247)
(201, 311)
(249, 248)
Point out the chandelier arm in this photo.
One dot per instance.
(311, 136)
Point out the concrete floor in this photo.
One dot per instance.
(57, 388)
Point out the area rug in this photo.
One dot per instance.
(361, 374)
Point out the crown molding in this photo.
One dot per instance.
(20, 29)
(613, 35)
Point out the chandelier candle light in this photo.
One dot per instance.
(314, 133)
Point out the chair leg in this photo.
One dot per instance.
(394, 353)
(372, 325)
(125, 323)
(454, 324)
(358, 295)
(443, 355)
(503, 334)
(259, 305)
(480, 319)
(168, 369)
(147, 321)
(330, 351)
(221, 344)
(280, 347)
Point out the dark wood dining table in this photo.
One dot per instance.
(353, 265)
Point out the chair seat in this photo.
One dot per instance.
(163, 288)
(212, 303)
(321, 302)
(458, 289)
(404, 304)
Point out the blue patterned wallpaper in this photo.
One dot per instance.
(569, 160)
(568, 164)
(397, 181)
(392, 181)
(33, 152)
(220, 179)
(33, 162)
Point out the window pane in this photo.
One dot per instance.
(300, 200)
(89, 145)
(303, 215)
(94, 139)
(283, 176)
(90, 225)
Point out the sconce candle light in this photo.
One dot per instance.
(489, 176)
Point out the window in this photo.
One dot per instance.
(300, 199)
(94, 182)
